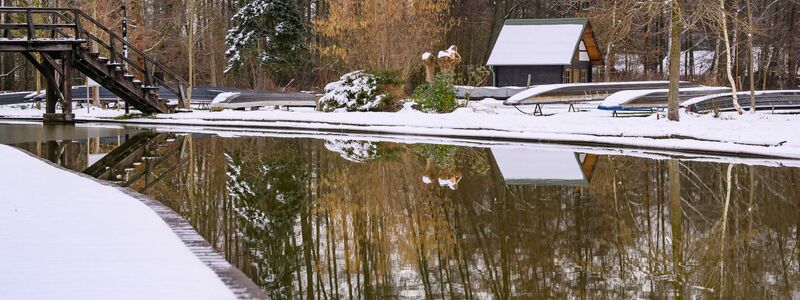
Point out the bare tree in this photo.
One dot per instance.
(723, 21)
(674, 62)
(752, 57)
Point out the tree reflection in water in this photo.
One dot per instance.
(397, 220)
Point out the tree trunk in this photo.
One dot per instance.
(724, 22)
(674, 62)
(794, 51)
(752, 56)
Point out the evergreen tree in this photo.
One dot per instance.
(273, 28)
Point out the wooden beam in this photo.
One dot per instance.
(48, 71)
(66, 81)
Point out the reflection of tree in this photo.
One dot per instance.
(304, 222)
(267, 194)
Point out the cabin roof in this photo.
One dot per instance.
(544, 42)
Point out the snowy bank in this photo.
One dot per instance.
(76, 238)
(759, 134)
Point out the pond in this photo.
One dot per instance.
(335, 217)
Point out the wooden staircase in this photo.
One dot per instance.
(68, 39)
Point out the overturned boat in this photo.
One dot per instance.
(656, 99)
(580, 92)
(775, 100)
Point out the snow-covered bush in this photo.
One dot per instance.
(355, 91)
(438, 96)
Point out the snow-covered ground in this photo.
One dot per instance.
(78, 239)
(748, 134)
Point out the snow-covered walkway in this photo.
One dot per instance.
(64, 236)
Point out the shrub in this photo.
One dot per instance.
(438, 96)
(355, 91)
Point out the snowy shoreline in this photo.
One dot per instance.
(80, 238)
(759, 134)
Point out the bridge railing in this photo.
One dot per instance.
(74, 24)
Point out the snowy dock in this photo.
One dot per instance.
(78, 238)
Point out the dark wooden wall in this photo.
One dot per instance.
(518, 75)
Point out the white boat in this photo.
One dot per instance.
(765, 100)
(654, 99)
(581, 92)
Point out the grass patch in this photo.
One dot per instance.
(129, 116)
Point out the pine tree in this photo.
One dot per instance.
(274, 29)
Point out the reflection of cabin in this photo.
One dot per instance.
(520, 166)
(546, 50)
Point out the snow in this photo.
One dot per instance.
(553, 44)
(222, 97)
(619, 98)
(79, 239)
(545, 88)
(751, 134)
(525, 166)
(446, 53)
(426, 55)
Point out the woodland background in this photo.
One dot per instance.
(338, 36)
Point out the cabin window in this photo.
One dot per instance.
(567, 76)
(584, 74)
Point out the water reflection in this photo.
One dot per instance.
(336, 219)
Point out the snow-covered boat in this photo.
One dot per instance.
(579, 92)
(655, 99)
(765, 100)
(483, 92)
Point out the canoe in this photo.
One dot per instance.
(581, 92)
(655, 99)
(765, 100)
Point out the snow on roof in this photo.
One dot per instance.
(545, 88)
(743, 93)
(526, 166)
(619, 98)
(537, 42)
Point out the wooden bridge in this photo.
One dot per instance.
(58, 41)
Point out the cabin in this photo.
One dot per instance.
(544, 51)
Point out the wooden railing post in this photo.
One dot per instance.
(31, 30)
(113, 55)
(182, 101)
(148, 74)
(78, 27)
(54, 21)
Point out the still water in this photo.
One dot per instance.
(338, 218)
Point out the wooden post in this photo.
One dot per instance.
(31, 29)
(78, 27)
(51, 95)
(66, 81)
